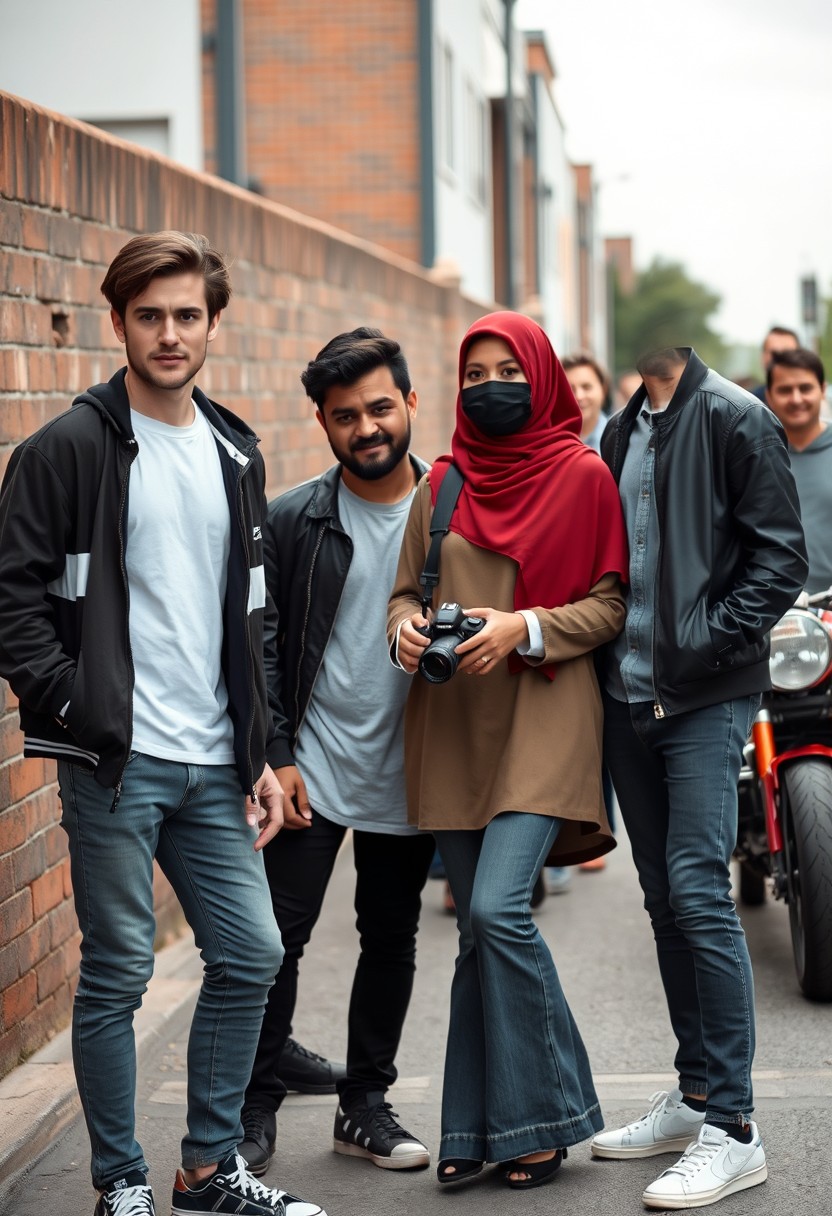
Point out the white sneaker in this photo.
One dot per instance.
(712, 1167)
(668, 1127)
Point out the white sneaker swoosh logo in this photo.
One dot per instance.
(730, 1166)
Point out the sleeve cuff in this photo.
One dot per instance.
(534, 648)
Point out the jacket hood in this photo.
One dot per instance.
(112, 402)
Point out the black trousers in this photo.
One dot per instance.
(391, 872)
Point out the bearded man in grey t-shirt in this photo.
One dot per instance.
(332, 547)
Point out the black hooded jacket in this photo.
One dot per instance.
(64, 598)
(732, 557)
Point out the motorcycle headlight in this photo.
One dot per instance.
(801, 652)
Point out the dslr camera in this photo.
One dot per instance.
(450, 627)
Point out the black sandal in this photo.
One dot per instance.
(537, 1172)
(463, 1167)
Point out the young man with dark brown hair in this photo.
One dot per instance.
(131, 629)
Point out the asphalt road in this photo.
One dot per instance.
(604, 952)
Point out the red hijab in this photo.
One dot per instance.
(540, 496)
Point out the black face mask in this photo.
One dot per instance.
(498, 408)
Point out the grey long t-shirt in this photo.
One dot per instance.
(350, 749)
(812, 470)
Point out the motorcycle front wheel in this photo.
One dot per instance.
(807, 838)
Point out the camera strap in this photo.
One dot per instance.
(440, 522)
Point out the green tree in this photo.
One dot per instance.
(666, 308)
(825, 336)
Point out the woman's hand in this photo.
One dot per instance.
(412, 643)
(502, 633)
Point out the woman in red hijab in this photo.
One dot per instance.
(503, 759)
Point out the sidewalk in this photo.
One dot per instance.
(38, 1099)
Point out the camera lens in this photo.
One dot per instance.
(439, 661)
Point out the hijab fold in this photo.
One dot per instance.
(539, 496)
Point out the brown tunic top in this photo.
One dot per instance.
(479, 745)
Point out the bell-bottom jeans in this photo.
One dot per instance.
(517, 1077)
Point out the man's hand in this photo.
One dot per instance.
(265, 809)
(502, 633)
(297, 812)
(412, 643)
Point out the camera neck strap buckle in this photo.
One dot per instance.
(440, 522)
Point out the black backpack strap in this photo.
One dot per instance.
(440, 521)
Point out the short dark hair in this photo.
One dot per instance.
(661, 363)
(583, 359)
(783, 332)
(159, 254)
(800, 358)
(348, 357)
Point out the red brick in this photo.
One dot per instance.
(15, 916)
(18, 999)
(29, 861)
(9, 966)
(34, 230)
(11, 1050)
(46, 1020)
(7, 883)
(47, 891)
(25, 777)
(11, 222)
(33, 945)
(13, 820)
(62, 923)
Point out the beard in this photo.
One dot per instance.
(147, 376)
(390, 453)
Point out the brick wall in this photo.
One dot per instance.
(334, 85)
(69, 198)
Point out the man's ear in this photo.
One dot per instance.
(214, 326)
(412, 403)
(118, 325)
(321, 419)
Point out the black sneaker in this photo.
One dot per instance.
(306, 1072)
(233, 1189)
(130, 1196)
(372, 1131)
(259, 1134)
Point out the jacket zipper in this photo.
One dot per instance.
(658, 709)
(246, 629)
(133, 447)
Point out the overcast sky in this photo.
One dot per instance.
(710, 129)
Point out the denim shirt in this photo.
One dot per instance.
(629, 675)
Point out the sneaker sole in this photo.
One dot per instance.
(303, 1087)
(642, 1150)
(675, 1202)
(413, 1161)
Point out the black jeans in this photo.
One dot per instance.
(390, 874)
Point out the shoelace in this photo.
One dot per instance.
(254, 1123)
(298, 1049)
(248, 1186)
(656, 1100)
(695, 1157)
(385, 1117)
(131, 1201)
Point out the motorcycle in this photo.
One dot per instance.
(785, 790)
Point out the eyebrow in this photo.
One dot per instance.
(348, 409)
(500, 362)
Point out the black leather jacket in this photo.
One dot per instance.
(732, 558)
(307, 557)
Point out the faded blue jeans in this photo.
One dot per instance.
(517, 1077)
(191, 818)
(676, 781)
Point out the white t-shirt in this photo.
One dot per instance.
(178, 539)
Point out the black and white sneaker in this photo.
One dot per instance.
(259, 1134)
(233, 1189)
(372, 1131)
(130, 1196)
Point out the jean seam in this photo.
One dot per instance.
(726, 928)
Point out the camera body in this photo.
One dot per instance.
(450, 627)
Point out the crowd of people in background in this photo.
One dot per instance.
(465, 654)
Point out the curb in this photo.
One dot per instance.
(39, 1098)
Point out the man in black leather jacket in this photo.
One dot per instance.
(717, 556)
(331, 549)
